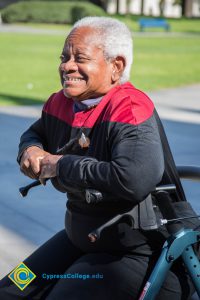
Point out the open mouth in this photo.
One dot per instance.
(71, 78)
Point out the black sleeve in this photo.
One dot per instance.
(34, 136)
(136, 164)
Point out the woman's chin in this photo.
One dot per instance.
(69, 93)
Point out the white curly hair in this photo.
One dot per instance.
(115, 38)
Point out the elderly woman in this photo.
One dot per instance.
(98, 132)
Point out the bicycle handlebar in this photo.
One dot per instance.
(164, 202)
(185, 172)
(25, 189)
(189, 172)
(162, 195)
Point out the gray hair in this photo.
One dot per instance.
(115, 38)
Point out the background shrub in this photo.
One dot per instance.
(84, 10)
(62, 12)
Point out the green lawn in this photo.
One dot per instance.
(29, 63)
(176, 25)
(28, 66)
(166, 62)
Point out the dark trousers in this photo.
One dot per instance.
(112, 276)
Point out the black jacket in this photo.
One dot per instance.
(124, 159)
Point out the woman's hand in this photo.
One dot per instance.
(30, 161)
(48, 167)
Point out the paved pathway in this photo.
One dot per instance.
(29, 29)
(25, 223)
(16, 28)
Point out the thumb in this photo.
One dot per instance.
(36, 165)
(24, 163)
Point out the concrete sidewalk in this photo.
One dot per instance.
(26, 223)
(33, 29)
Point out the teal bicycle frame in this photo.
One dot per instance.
(180, 243)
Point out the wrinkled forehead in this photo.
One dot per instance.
(86, 36)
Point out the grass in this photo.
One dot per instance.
(185, 25)
(29, 63)
(28, 66)
(166, 62)
(176, 25)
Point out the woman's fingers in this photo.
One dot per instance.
(30, 161)
(37, 163)
(48, 166)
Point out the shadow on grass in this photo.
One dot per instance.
(6, 99)
(192, 33)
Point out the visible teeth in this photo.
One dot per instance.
(71, 78)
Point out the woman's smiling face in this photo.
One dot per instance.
(84, 71)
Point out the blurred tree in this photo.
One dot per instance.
(97, 2)
(117, 6)
(186, 7)
(162, 7)
(101, 3)
(128, 6)
(142, 7)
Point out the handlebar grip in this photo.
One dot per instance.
(189, 172)
(168, 212)
(25, 189)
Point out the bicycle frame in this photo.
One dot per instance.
(178, 244)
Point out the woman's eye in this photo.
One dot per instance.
(63, 58)
(80, 58)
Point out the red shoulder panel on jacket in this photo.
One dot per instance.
(124, 104)
(60, 107)
(129, 105)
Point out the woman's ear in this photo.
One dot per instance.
(119, 64)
